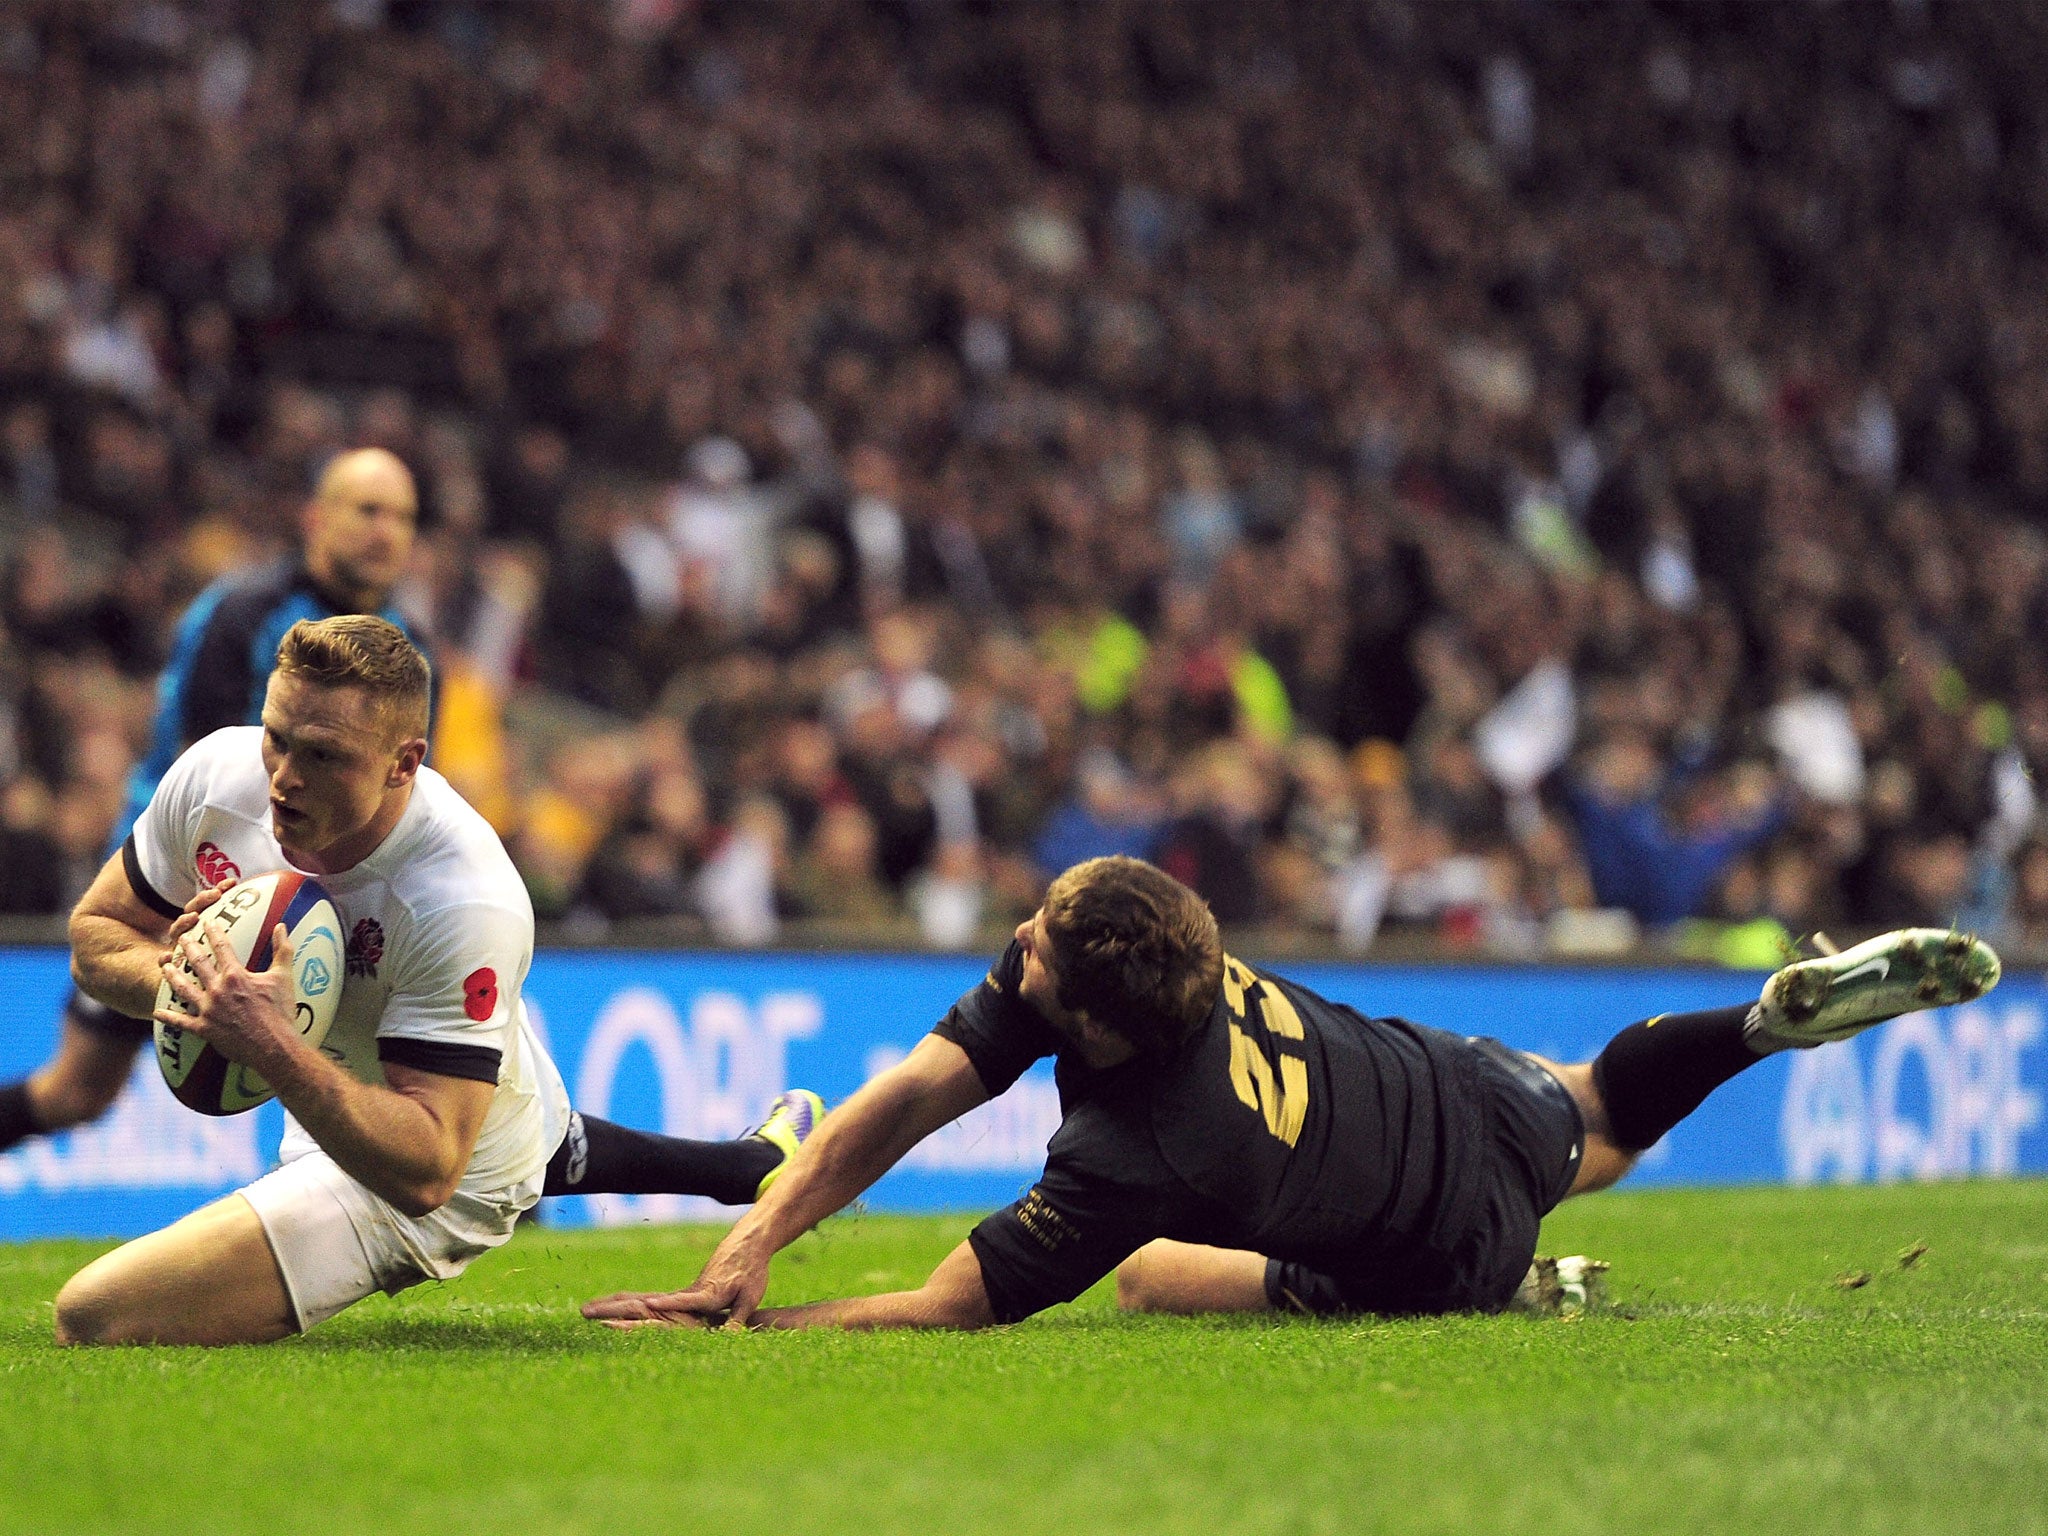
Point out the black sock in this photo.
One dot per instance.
(1652, 1075)
(600, 1158)
(17, 1118)
(91, 1013)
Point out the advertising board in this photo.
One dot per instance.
(695, 1044)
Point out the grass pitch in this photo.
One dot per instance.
(1741, 1384)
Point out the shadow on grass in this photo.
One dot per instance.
(522, 1332)
(512, 1331)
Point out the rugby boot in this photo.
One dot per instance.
(792, 1116)
(1832, 997)
(1562, 1287)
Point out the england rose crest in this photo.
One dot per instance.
(365, 947)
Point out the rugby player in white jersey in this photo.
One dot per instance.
(427, 1121)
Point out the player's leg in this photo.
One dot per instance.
(210, 1278)
(1535, 1129)
(597, 1157)
(1604, 1160)
(1653, 1074)
(1187, 1278)
(95, 1053)
(302, 1243)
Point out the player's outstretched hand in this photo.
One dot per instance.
(648, 1309)
(728, 1291)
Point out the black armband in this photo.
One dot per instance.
(443, 1058)
(131, 862)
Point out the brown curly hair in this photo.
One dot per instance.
(1135, 949)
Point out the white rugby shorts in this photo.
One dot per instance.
(336, 1242)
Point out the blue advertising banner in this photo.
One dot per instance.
(696, 1044)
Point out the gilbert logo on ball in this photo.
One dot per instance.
(202, 1078)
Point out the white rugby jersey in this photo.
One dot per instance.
(439, 938)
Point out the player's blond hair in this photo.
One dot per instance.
(360, 650)
(1135, 949)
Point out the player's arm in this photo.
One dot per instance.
(1072, 1229)
(120, 934)
(858, 1143)
(954, 1297)
(408, 1139)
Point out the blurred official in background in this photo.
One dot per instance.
(357, 537)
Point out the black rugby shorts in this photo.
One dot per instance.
(1533, 1137)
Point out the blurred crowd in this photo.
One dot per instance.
(1539, 474)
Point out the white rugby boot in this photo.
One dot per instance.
(1832, 997)
(1562, 1287)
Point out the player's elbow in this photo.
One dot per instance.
(420, 1192)
(957, 1310)
(95, 984)
(82, 974)
(424, 1197)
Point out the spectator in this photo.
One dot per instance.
(31, 859)
(1211, 842)
(837, 877)
(645, 866)
(1110, 811)
(1662, 860)
(741, 890)
(1683, 347)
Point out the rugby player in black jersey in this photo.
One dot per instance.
(1232, 1142)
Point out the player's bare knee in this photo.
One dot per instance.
(1602, 1166)
(88, 1311)
(1154, 1279)
(1584, 1087)
(1133, 1294)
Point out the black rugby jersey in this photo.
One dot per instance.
(1289, 1125)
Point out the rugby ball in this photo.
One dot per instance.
(199, 1076)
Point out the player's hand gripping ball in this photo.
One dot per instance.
(199, 1076)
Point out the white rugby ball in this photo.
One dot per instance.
(199, 1076)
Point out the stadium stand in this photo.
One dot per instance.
(1527, 473)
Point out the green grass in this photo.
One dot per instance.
(1737, 1387)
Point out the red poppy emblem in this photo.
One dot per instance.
(480, 994)
(214, 866)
